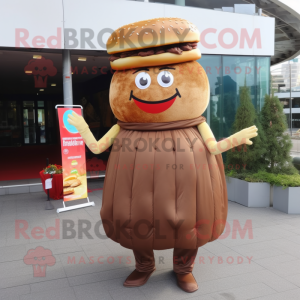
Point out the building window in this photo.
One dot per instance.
(226, 75)
(10, 123)
(30, 87)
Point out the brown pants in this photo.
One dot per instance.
(183, 260)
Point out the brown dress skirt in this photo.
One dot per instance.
(163, 189)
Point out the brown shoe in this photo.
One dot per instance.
(137, 278)
(187, 282)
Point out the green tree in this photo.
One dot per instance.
(278, 142)
(247, 158)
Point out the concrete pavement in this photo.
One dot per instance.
(265, 266)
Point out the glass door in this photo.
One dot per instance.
(41, 130)
(34, 122)
(29, 122)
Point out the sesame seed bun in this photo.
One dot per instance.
(152, 33)
(155, 60)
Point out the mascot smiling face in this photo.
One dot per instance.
(157, 78)
(160, 94)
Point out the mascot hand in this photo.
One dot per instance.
(78, 122)
(244, 136)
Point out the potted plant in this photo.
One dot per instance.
(282, 174)
(286, 198)
(278, 143)
(248, 190)
(54, 171)
(244, 160)
(286, 190)
(268, 161)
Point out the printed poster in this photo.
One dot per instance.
(73, 157)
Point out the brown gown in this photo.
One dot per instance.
(163, 189)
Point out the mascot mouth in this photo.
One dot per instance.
(154, 107)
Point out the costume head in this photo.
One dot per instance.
(157, 78)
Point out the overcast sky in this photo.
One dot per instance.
(294, 4)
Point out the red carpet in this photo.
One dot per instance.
(26, 162)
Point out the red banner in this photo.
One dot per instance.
(73, 157)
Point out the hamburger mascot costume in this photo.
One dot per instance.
(165, 185)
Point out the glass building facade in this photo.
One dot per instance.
(226, 75)
(27, 111)
(28, 123)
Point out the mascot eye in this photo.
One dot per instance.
(142, 80)
(165, 79)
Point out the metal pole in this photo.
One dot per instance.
(67, 77)
(291, 118)
(49, 205)
(180, 2)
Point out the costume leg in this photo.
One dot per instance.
(144, 260)
(183, 260)
(144, 267)
(183, 264)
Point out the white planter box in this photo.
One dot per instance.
(288, 200)
(250, 194)
(231, 186)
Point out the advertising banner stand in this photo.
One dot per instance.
(66, 208)
(73, 159)
(49, 205)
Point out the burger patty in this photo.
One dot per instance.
(174, 48)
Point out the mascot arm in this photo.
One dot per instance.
(83, 128)
(239, 138)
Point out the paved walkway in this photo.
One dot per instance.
(273, 272)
